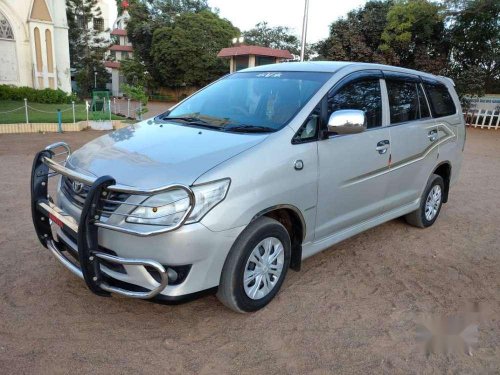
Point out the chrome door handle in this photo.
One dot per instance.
(382, 146)
(432, 135)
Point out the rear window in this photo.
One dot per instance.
(440, 99)
(406, 101)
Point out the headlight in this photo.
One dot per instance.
(169, 208)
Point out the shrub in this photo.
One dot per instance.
(46, 96)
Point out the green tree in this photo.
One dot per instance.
(414, 36)
(279, 37)
(87, 46)
(185, 52)
(475, 51)
(135, 72)
(146, 16)
(358, 36)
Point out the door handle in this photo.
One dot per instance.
(432, 135)
(382, 146)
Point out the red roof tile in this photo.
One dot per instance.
(117, 47)
(119, 32)
(112, 64)
(255, 50)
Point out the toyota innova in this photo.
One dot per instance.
(244, 179)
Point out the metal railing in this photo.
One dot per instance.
(483, 118)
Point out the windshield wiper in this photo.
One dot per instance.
(190, 120)
(249, 129)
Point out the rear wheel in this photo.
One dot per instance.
(256, 266)
(430, 204)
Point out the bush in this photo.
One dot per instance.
(46, 96)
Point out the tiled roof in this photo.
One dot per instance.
(112, 64)
(117, 47)
(119, 32)
(254, 50)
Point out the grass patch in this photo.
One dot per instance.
(46, 113)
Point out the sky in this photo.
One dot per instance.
(244, 14)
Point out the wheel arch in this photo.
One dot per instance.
(443, 169)
(293, 220)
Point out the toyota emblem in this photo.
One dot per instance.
(77, 187)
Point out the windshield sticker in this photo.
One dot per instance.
(269, 75)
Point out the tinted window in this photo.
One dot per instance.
(251, 99)
(363, 95)
(403, 101)
(440, 99)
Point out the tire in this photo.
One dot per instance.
(260, 234)
(420, 218)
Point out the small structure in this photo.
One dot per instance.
(118, 52)
(244, 56)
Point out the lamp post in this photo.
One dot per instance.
(95, 79)
(304, 31)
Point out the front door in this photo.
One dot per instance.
(353, 168)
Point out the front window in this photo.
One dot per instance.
(249, 101)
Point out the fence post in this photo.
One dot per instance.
(109, 106)
(74, 118)
(128, 108)
(140, 111)
(87, 106)
(26, 110)
(59, 121)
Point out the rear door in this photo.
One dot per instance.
(353, 168)
(413, 136)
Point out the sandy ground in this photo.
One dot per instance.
(352, 309)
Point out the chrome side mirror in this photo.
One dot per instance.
(347, 121)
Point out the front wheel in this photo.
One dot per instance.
(430, 204)
(256, 266)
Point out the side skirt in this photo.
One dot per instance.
(324, 243)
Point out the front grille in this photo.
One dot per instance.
(78, 198)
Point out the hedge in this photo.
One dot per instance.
(47, 96)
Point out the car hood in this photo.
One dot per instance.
(149, 155)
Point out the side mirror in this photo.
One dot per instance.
(347, 121)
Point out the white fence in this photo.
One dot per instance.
(483, 118)
(484, 113)
(127, 108)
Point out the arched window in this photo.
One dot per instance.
(5, 28)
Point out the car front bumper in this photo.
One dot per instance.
(145, 260)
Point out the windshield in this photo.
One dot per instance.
(249, 101)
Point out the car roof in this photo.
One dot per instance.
(335, 66)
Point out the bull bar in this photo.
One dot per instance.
(44, 211)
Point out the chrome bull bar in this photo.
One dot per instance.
(86, 231)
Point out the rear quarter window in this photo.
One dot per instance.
(440, 99)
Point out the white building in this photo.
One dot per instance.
(34, 44)
(118, 52)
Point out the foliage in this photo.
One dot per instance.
(146, 16)
(185, 52)
(414, 36)
(135, 72)
(358, 36)
(456, 38)
(137, 93)
(87, 46)
(475, 40)
(279, 37)
(49, 96)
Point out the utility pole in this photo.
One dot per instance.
(304, 31)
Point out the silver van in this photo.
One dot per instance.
(241, 181)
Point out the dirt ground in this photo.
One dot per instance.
(352, 309)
